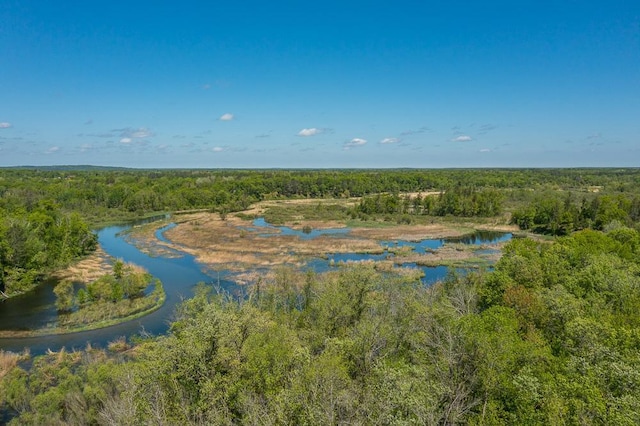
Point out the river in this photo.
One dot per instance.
(179, 274)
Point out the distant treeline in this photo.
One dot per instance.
(101, 194)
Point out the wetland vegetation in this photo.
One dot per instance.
(549, 335)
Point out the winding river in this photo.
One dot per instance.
(179, 274)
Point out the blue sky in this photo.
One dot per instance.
(320, 84)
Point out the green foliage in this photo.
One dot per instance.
(111, 296)
(32, 243)
(549, 214)
(530, 343)
(64, 296)
(466, 201)
(551, 336)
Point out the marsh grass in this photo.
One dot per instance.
(9, 360)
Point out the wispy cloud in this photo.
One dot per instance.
(485, 150)
(52, 150)
(140, 133)
(486, 128)
(309, 132)
(226, 117)
(355, 142)
(462, 138)
(389, 140)
(5, 125)
(217, 149)
(127, 134)
(98, 135)
(422, 129)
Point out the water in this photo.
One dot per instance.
(178, 276)
(179, 273)
(417, 247)
(479, 238)
(285, 230)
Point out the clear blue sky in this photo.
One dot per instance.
(320, 84)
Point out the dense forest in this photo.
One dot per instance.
(550, 335)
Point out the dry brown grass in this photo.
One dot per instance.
(234, 244)
(88, 269)
(9, 360)
(217, 242)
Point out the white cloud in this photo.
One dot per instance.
(217, 149)
(309, 132)
(462, 138)
(354, 143)
(141, 133)
(389, 140)
(5, 125)
(128, 134)
(52, 150)
(226, 117)
(485, 150)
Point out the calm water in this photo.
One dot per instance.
(179, 273)
(37, 308)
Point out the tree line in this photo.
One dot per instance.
(99, 195)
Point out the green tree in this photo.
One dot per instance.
(64, 296)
